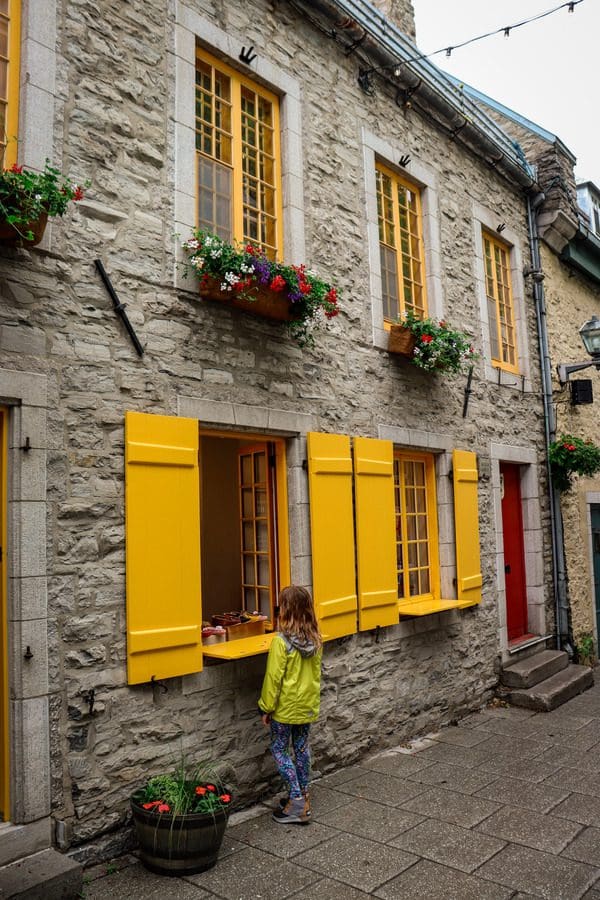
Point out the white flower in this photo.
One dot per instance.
(215, 254)
(192, 244)
(231, 278)
(197, 262)
(38, 196)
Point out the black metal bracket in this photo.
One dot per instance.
(468, 392)
(377, 633)
(118, 306)
(28, 654)
(355, 44)
(26, 446)
(247, 56)
(90, 699)
(364, 81)
(454, 134)
(159, 684)
(404, 161)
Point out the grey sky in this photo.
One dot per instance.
(549, 70)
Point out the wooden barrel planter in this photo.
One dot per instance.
(402, 341)
(178, 845)
(9, 237)
(261, 301)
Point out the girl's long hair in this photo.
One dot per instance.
(297, 614)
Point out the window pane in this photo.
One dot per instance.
(249, 569)
(261, 502)
(248, 532)
(247, 504)
(264, 603)
(249, 599)
(262, 535)
(264, 577)
(260, 467)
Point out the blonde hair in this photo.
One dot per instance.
(297, 614)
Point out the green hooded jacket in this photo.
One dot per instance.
(291, 691)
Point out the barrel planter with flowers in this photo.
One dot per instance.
(245, 278)
(180, 822)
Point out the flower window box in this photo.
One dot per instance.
(431, 345)
(402, 341)
(244, 277)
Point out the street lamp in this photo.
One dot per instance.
(590, 335)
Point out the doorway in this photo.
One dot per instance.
(514, 552)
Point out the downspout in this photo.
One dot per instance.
(561, 602)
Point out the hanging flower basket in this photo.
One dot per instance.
(28, 198)
(259, 301)
(571, 456)
(10, 237)
(244, 277)
(431, 345)
(402, 341)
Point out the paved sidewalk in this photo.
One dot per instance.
(505, 805)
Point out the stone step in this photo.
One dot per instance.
(530, 671)
(48, 875)
(554, 691)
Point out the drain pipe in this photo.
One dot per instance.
(561, 602)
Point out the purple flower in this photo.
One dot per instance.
(262, 270)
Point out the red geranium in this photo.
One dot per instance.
(226, 798)
(426, 338)
(201, 791)
(278, 283)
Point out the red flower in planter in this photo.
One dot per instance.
(164, 807)
(201, 791)
(226, 798)
(211, 787)
(426, 338)
(278, 283)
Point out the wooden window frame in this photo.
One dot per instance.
(280, 541)
(428, 460)
(398, 180)
(8, 141)
(500, 362)
(237, 82)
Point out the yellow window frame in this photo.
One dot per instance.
(427, 459)
(8, 140)
(401, 257)
(498, 291)
(237, 82)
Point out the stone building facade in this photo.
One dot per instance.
(107, 92)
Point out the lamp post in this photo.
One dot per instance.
(590, 335)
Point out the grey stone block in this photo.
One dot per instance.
(135, 881)
(451, 845)
(47, 874)
(382, 788)
(367, 819)
(540, 832)
(579, 808)
(540, 874)
(556, 690)
(449, 806)
(538, 797)
(527, 672)
(454, 778)
(265, 834)
(429, 881)
(252, 873)
(586, 847)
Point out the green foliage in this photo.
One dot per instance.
(585, 648)
(188, 789)
(438, 346)
(242, 271)
(26, 195)
(569, 456)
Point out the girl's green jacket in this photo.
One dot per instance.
(291, 691)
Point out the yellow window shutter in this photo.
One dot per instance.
(332, 533)
(375, 533)
(162, 515)
(466, 524)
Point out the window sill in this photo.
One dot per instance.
(239, 648)
(426, 607)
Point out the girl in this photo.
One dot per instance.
(291, 696)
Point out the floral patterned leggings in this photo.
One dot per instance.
(295, 775)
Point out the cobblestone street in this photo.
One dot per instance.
(504, 805)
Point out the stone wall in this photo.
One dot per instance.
(115, 71)
(572, 298)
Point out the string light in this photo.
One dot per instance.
(505, 30)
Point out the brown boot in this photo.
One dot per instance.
(307, 810)
(293, 813)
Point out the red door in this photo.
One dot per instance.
(514, 554)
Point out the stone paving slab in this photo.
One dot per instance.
(521, 826)
(586, 847)
(461, 737)
(523, 748)
(252, 873)
(449, 845)
(562, 755)
(335, 778)
(537, 797)
(524, 769)
(323, 798)
(540, 874)
(136, 881)
(369, 820)
(398, 764)
(451, 807)
(430, 881)
(467, 757)
(454, 778)
(579, 808)
(265, 834)
(382, 788)
(326, 889)
(358, 862)
(574, 780)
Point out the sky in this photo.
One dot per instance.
(548, 71)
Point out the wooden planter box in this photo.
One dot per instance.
(11, 238)
(264, 303)
(402, 341)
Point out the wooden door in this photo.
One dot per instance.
(514, 553)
